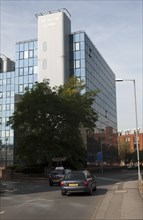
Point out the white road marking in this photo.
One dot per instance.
(2, 212)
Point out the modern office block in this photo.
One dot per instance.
(56, 55)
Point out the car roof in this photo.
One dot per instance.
(79, 171)
(59, 168)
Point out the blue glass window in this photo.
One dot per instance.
(31, 46)
(77, 46)
(8, 81)
(20, 89)
(31, 70)
(31, 62)
(77, 55)
(76, 38)
(82, 53)
(12, 93)
(82, 45)
(35, 44)
(17, 56)
(20, 79)
(35, 78)
(26, 54)
(35, 53)
(26, 46)
(77, 72)
(35, 69)
(30, 79)
(17, 64)
(25, 79)
(16, 80)
(21, 63)
(82, 37)
(83, 63)
(21, 47)
(17, 47)
(31, 53)
(21, 71)
(25, 70)
(77, 64)
(25, 62)
(12, 106)
(30, 85)
(35, 61)
(82, 71)
(21, 55)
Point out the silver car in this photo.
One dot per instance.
(78, 181)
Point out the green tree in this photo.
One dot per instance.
(124, 151)
(47, 122)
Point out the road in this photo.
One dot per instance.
(35, 199)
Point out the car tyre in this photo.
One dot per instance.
(63, 193)
(90, 191)
(50, 183)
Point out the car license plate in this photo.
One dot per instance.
(73, 184)
(55, 180)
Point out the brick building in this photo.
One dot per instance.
(129, 136)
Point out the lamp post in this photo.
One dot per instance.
(136, 119)
(6, 139)
(101, 153)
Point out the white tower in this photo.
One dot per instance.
(54, 30)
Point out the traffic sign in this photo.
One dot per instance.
(99, 156)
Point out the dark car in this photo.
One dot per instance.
(57, 175)
(78, 181)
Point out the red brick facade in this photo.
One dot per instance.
(130, 137)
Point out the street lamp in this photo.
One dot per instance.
(6, 139)
(137, 145)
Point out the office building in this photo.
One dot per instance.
(58, 54)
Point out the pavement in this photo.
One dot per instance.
(122, 201)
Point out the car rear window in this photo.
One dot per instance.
(53, 173)
(75, 176)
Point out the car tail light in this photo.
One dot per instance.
(62, 183)
(85, 183)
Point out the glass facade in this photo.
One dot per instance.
(7, 82)
(26, 65)
(90, 66)
(11, 84)
(87, 64)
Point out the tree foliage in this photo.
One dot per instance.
(124, 151)
(47, 121)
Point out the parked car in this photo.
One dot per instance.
(57, 175)
(78, 181)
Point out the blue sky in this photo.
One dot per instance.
(115, 27)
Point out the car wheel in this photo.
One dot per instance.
(90, 191)
(63, 193)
